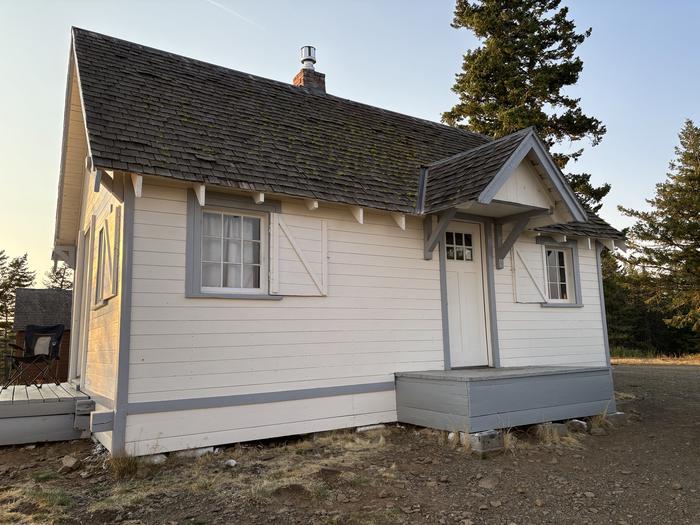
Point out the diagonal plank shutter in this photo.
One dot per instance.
(528, 276)
(110, 255)
(298, 256)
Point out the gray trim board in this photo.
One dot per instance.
(601, 294)
(489, 247)
(196, 403)
(101, 421)
(447, 360)
(193, 268)
(575, 270)
(97, 398)
(435, 236)
(121, 393)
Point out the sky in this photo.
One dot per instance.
(641, 77)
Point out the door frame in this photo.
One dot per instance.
(485, 225)
(83, 307)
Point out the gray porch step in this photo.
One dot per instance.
(29, 414)
(474, 400)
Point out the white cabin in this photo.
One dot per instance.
(258, 259)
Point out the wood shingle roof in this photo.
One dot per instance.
(152, 112)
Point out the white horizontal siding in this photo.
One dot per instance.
(381, 315)
(152, 433)
(531, 335)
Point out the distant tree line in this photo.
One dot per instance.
(516, 78)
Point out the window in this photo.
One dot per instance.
(458, 246)
(232, 252)
(559, 281)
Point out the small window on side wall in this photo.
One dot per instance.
(560, 286)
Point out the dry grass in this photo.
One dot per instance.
(688, 360)
(123, 467)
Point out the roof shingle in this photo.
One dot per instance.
(42, 306)
(156, 113)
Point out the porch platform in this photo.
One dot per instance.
(29, 414)
(478, 399)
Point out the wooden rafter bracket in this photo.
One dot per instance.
(432, 237)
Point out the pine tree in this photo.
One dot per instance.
(13, 275)
(516, 77)
(666, 239)
(60, 277)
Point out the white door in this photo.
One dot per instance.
(466, 295)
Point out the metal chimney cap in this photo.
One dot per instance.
(308, 57)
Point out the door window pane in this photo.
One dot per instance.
(458, 246)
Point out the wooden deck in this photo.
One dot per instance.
(480, 399)
(30, 414)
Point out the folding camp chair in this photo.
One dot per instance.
(39, 359)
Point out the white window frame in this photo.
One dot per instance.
(568, 272)
(264, 252)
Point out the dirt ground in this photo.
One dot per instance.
(646, 471)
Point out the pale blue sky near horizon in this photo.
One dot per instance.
(641, 77)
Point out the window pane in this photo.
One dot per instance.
(232, 226)
(551, 274)
(467, 239)
(459, 254)
(449, 238)
(468, 254)
(451, 253)
(551, 258)
(553, 291)
(232, 251)
(211, 274)
(561, 258)
(211, 224)
(211, 249)
(251, 276)
(562, 275)
(458, 239)
(251, 228)
(251, 252)
(232, 275)
(562, 288)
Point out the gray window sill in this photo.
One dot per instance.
(561, 305)
(253, 296)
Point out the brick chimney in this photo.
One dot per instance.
(308, 76)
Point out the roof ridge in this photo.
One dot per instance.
(482, 146)
(280, 83)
